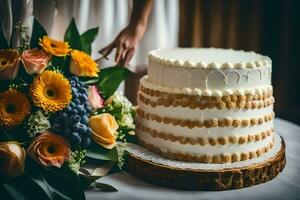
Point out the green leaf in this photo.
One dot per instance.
(72, 36)
(99, 153)
(104, 169)
(57, 61)
(110, 79)
(38, 31)
(105, 187)
(87, 38)
(86, 180)
(90, 81)
(66, 66)
(43, 183)
(12, 192)
(23, 187)
(3, 41)
(33, 171)
(64, 183)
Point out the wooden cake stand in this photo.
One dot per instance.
(168, 175)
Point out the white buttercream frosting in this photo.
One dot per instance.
(144, 81)
(198, 150)
(197, 114)
(155, 158)
(204, 132)
(206, 72)
(209, 58)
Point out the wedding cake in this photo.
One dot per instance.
(205, 120)
(206, 105)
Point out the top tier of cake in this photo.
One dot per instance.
(208, 71)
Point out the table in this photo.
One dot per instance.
(285, 186)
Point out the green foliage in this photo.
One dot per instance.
(87, 38)
(87, 180)
(110, 78)
(105, 187)
(62, 64)
(38, 31)
(97, 152)
(43, 183)
(72, 36)
(57, 61)
(81, 42)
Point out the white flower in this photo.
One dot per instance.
(127, 120)
(37, 123)
(119, 100)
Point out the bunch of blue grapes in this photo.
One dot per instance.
(72, 122)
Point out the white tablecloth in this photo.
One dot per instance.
(285, 186)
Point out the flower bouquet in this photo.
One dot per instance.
(57, 110)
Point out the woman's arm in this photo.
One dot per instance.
(128, 39)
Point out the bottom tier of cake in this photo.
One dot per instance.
(200, 176)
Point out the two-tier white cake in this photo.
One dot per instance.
(206, 105)
(210, 106)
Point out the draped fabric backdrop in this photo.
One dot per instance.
(270, 27)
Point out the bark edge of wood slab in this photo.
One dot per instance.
(193, 179)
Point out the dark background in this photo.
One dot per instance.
(269, 27)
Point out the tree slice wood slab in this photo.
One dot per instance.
(194, 179)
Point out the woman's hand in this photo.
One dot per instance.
(125, 43)
(128, 39)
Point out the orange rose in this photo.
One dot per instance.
(9, 64)
(35, 61)
(49, 149)
(12, 159)
(104, 130)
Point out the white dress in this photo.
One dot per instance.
(110, 15)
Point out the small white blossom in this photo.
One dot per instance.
(127, 120)
(37, 123)
(120, 100)
(121, 147)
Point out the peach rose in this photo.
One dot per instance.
(35, 61)
(12, 159)
(95, 99)
(49, 149)
(104, 130)
(9, 64)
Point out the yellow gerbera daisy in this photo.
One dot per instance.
(8, 58)
(54, 47)
(51, 91)
(14, 107)
(83, 65)
(9, 64)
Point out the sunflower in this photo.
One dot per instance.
(51, 91)
(9, 63)
(54, 47)
(83, 65)
(14, 107)
(8, 58)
